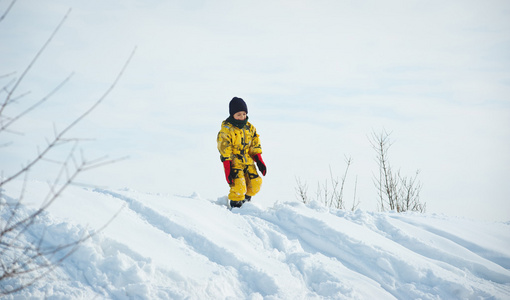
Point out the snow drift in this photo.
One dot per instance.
(177, 247)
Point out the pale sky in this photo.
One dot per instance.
(318, 78)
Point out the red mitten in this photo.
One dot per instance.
(260, 163)
(227, 165)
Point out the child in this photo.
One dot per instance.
(239, 146)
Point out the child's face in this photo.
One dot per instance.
(240, 115)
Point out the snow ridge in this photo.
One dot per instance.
(175, 247)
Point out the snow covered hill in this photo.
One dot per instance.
(177, 247)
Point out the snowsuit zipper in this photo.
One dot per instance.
(243, 142)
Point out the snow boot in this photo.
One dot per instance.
(236, 203)
(240, 203)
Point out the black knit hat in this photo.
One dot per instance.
(237, 105)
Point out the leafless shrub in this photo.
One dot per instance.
(23, 262)
(396, 192)
(301, 191)
(331, 193)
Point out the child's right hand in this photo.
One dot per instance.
(227, 165)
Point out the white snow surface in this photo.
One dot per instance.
(192, 247)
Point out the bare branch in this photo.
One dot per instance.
(20, 79)
(2, 17)
(59, 136)
(23, 258)
(35, 105)
(355, 202)
(301, 191)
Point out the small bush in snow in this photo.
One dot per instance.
(396, 192)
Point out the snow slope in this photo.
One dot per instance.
(176, 247)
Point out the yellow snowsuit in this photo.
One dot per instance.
(239, 145)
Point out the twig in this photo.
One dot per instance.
(36, 57)
(7, 10)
